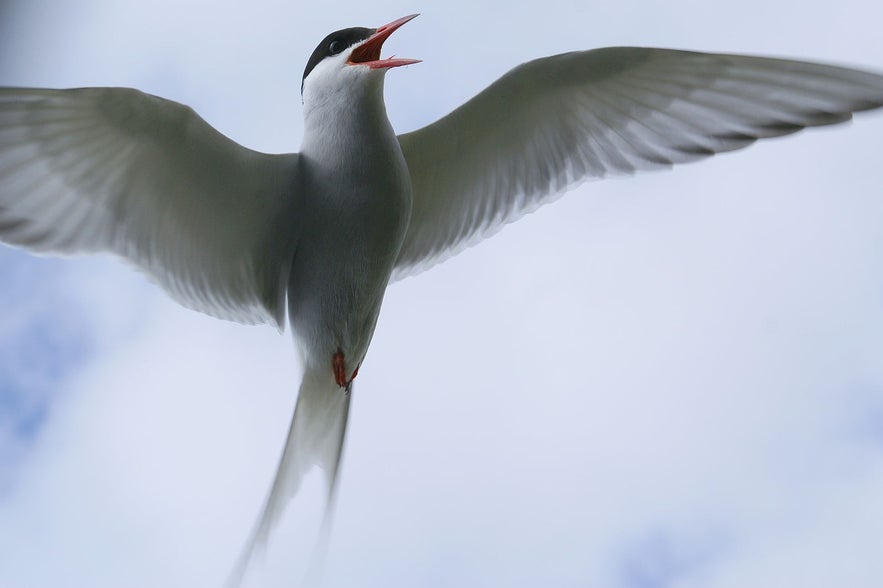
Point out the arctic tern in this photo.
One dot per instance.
(319, 235)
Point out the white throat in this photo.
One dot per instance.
(342, 114)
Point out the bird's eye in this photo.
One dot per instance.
(335, 47)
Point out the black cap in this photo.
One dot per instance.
(334, 44)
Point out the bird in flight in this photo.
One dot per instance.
(318, 235)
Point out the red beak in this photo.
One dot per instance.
(368, 53)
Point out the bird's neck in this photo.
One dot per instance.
(343, 123)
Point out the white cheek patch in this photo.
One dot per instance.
(332, 76)
(324, 74)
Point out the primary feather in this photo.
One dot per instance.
(116, 170)
(554, 122)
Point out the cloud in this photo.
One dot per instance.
(670, 380)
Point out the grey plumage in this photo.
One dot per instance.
(247, 236)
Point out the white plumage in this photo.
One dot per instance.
(233, 233)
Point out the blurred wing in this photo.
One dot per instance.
(554, 122)
(114, 169)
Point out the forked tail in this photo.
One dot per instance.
(315, 438)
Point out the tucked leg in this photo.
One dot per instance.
(338, 365)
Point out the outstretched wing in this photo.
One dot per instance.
(114, 169)
(554, 122)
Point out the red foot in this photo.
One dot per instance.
(338, 365)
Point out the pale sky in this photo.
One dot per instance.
(673, 380)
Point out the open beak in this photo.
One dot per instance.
(368, 53)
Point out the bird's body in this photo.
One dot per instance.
(357, 189)
(244, 236)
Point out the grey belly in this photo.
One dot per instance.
(336, 288)
(350, 237)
